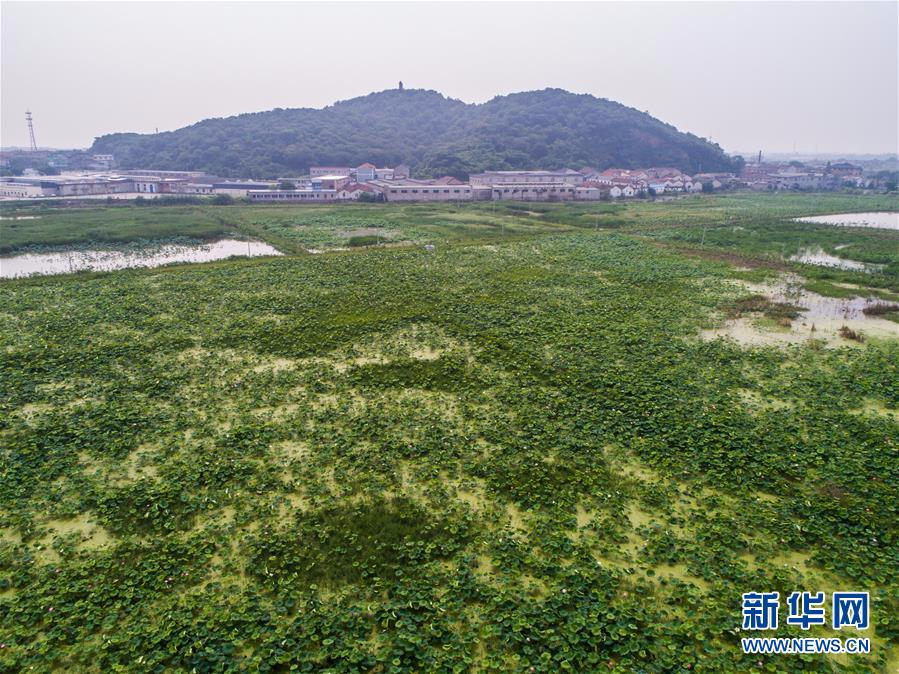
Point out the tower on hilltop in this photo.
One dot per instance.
(30, 130)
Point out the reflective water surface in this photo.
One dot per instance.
(883, 220)
(27, 264)
(818, 257)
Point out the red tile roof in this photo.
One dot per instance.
(356, 187)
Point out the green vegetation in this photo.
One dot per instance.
(48, 226)
(513, 454)
(432, 134)
(291, 228)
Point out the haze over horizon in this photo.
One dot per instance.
(746, 75)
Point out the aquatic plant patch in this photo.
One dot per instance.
(509, 455)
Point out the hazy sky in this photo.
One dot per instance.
(814, 76)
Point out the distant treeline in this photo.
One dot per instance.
(432, 134)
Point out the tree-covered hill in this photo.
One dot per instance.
(433, 134)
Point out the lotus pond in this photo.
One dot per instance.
(519, 454)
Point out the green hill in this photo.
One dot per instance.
(433, 134)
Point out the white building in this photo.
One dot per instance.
(196, 188)
(330, 182)
(492, 178)
(20, 190)
(365, 172)
(238, 189)
(796, 180)
(318, 171)
(421, 191)
(286, 196)
(534, 192)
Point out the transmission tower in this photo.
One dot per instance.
(30, 130)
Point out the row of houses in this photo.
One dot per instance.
(794, 175)
(369, 182)
(149, 183)
(362, 173)
(330, 183)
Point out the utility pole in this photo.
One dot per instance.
(30, 122)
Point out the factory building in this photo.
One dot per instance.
(493, 178)
(238, 189)
(421, 190)
(535, 192)
(287, 196)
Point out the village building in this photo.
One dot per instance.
(153, 184)
(662, 172)
(534, 192)
(237, 189)
(795, 180)
(197, 188)
(284, 196)
(329, 182)
(361, 174)
(845, 170)
(17, 190)
(587, 193)
(421, 190)
(103, 161)
(319, 171)
(714, 181)
(493, 178)
(364, 172)
(353, 191)
(481, 192)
